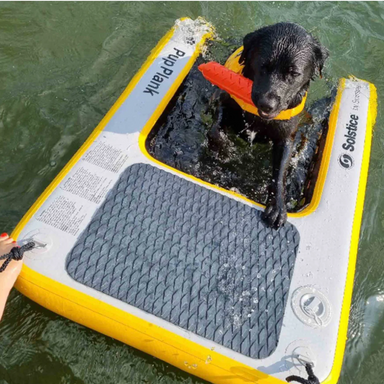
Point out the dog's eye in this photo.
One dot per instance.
(294, 73)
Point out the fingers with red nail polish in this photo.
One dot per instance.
(5, 239)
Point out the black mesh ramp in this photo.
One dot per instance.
(191, 256)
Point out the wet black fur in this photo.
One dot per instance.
(281, 60)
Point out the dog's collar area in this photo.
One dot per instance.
(233, 64)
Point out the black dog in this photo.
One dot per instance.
(281, 60)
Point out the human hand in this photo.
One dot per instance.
(9, 275)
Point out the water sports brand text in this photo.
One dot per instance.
(350, 136)
(164, 73)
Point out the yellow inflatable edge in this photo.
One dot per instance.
(358, 215)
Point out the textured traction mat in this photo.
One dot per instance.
(191, 256)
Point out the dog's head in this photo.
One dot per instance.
(281, 59)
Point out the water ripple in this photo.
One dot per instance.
(62, 65)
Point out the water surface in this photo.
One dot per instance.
(62, 66)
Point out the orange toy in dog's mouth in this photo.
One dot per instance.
(229, 79)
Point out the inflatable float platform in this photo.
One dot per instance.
(187, 271)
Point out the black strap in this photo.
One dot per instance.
(16, 253)
(312, 379)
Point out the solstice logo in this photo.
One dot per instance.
(346, 161)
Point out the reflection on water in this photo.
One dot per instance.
(62, 65)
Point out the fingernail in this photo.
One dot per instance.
(13, 242)
(4, 234)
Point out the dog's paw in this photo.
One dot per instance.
(218, 141)
(275, 215)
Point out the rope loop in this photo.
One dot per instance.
(16, 253)
(312, 379)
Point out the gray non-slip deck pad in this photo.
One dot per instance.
(191, 256)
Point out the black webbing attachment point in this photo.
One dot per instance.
(312, 379)
(16, 253)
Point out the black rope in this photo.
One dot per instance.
(16, 253)
(312, 379)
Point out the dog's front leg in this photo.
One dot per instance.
(225, 112)
(218, 102)
(275, 213)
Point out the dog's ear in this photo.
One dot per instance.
(249, 42)
(320, 54)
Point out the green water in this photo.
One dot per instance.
(62, 65)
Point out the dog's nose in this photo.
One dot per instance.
(267, 105)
